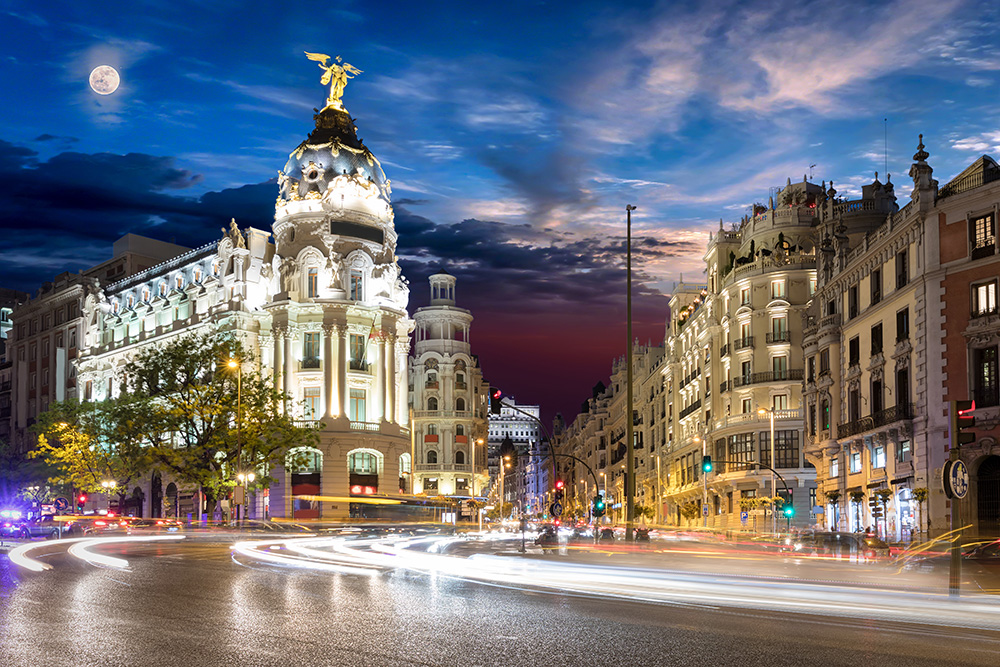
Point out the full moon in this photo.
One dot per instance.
(104, 80)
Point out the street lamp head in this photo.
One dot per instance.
(629, 207)
(251, 477)
(232, 363)
(761, 411)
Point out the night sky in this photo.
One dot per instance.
(514, 135)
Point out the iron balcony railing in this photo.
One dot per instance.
(310, 363)
(691, 408)
(768, 376)
(881, 418)
(779, 337)
(740, 343)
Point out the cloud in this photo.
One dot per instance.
(987, 142)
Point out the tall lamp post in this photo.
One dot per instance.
(774, 481)
(109, 488)
(234, 363)
(629, 422)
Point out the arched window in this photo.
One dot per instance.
(180, 282)
(197, 275)
(312, 286)
(363, 463)
(460, 457)
(163, 289)
(432, 456)
(459, 429)
(432, 403)
(460, 404)
(404, 465)
(215, 268)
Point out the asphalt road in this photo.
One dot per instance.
(190, 603)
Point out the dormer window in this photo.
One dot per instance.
(131, 300)
(114, 308)
(180, 282)
(197, 275)
(312, 283)
(215, 268)
(145, 294)
(163, 289)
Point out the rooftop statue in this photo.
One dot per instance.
(334, 74)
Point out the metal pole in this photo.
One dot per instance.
(659, 497)
(774, 481)
(629, 425)
(704, 487)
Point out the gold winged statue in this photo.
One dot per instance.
(334, 74)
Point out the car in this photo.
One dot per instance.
(12, 524)
(51, 527)
(849, 546)
(985, 552)
(607, 535)
(153, 526)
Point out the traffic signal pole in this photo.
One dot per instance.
(629, 419)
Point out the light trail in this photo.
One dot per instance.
(648, 584)
(81, 549)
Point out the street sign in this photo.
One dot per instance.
(61, 504)
(956, 478)
(556, 509)
(744, 517)
(704, 510)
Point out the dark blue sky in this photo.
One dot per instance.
(514, 134)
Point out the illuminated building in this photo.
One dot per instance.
(449, 398)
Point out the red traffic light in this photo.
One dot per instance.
(560, 484)
(496, 394)
(81, 499)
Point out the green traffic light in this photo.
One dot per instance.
(789, 511)
(706, 463)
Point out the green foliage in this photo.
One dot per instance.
(640, 511)
(501, 512)
(857, 497)
(17, 472)
(689, 510)
(920, 494)
(832, 497)
(883, 495)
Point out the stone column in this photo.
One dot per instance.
(277, 367)
(287, 369)
(329, 331)
(342, 391)
(380, 380)
(402, 411)
(389, 350)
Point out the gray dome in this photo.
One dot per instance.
(332, 149)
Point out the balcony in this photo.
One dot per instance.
(779, 337)
(461, 385)
(691, 408)
(754, 418)
(745, 342)
(725, 350)
(357, 365)
(723, 387)
(431, 385)
(879, 419)
(309, 363)
(365, 426)
(769, 376)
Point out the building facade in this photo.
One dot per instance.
(448, 397)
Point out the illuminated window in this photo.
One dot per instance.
(310, 350)
(357, 286)
(313, 283)
(745, 296)
(878, 456)
(163, 289)
(405, 465)
(855, 460)
(984, 298)
(835, 466)
(310, 395)
(180, 282)
(215, 268)
(197, 275)
(357, 405)
(363, 463)
(777, 289)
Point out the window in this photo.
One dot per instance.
(824, 362)
(310, 395)
(902, 270)
(878, 456)
(745, 338)
(852, 301)
(405, 467)
(313, 283)
(741, 450)
(163, 289)
(903, 451)
(432, 429)
(432, 403)
(363, 463)
(358, 349)
(877, 339)
(903, 386)
(811, 376)
(786, 449)
(357, 286)
(812, 419)
(983, 236)
(460, 457)
(778, 289)
(854, 351)
(902, 324)
(745, 296)
(747, 406)
(812, 286)
(835, 467)
(460, 404)
(779, 402)
(179, 282)
(825, 414)
(459, 429)
(876, 281)
(984, 298)
(855, 458)
(357, 405)
(779, 329)
(877, 397)
(831, 307)
(431, 483)
(745, 371)
(779, 366)
(984, 380)
(854, 405)
(197, 275)
(310, 350)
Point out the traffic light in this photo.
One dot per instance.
(81, 500)
(495, 396)
(560, 486)
(706, 463)
(962, 423)
(789, 511)
(599, 506)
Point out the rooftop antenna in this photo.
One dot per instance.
(811, 171)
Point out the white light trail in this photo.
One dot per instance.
(80, 549)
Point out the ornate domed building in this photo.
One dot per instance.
(323, 306)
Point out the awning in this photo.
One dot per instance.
(902, 480)
(878, 482)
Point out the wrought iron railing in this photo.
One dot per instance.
(881, 418)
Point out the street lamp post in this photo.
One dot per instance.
(774, 481)
(629, 422)
(109, 488)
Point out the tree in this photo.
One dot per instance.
(920, 495)
(857, 497)
(90, 443)
(689, 510)
(883, 496)
(832, 498)
(17, 472)
(207, 421)
(641, 511)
